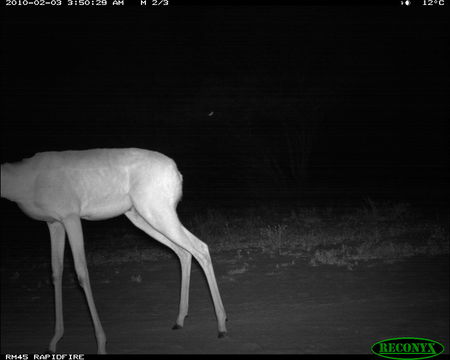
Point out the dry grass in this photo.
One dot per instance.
(333, 236)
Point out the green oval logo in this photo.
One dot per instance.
(407, 348)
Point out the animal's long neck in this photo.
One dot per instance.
(13, 182)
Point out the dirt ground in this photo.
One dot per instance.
(274, 305)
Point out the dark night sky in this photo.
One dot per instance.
(373, 81)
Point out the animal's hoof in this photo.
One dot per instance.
(222, 334)
(176, 327)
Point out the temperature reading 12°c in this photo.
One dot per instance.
(433, 2)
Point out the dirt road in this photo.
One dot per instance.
(274, 305)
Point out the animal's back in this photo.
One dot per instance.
(94, 183)
(51, 160)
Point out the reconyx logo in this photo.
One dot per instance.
(407, 348)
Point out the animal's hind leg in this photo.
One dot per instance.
(185, 260)
(205, 261)
(163, 217)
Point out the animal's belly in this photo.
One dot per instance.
(37, 213)
(105, 209)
